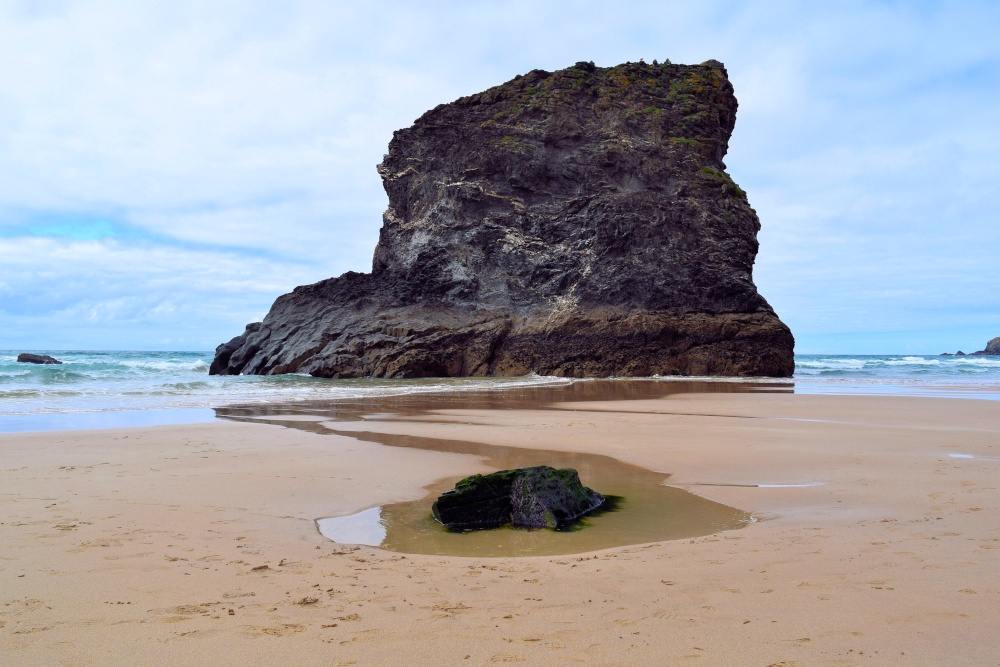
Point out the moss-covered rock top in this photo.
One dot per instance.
(684, 107)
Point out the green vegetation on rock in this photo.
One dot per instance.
(538, 497)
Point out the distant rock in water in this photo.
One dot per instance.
(574, 223)
(539, 497)
(992, 347)
(28, 358)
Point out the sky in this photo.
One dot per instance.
(167, 169)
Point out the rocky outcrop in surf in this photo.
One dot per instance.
(992, 347)
(29, 358)
(574, 223)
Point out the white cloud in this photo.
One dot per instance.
(98, 294)
(242, 137)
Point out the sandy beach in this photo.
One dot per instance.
(875, 541)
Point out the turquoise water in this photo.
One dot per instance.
(931, 375)
(93, 389)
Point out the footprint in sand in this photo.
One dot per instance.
(185, 611)
(28, 604)
(283, 630)
(238, 594)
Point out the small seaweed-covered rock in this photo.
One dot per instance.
(545, 497)
(28, 358)
(539, 497)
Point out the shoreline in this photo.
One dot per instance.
(107, 388)
(134, 544)
(162, 416)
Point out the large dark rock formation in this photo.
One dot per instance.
(576, 223)
(29, 358)
(539, 497)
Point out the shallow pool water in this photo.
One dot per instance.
(647, 510)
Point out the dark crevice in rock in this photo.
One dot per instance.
(495, 345)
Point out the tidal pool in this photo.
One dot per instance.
(645, 508)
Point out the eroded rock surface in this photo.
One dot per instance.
(574, 223)
(538, 497)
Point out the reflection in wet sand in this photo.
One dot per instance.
(510, 398)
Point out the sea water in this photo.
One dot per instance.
(971, 376)
(107, 389)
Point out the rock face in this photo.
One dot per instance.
(574, 223)
(539, 497)
(992, 347)
(28, 358)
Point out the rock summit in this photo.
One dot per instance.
(574, 223)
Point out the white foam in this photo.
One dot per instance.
(962, 456)
(831, 364)
(976, 361)
(912, 361)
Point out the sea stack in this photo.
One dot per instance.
(576, 223)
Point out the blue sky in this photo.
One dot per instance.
(168, 169)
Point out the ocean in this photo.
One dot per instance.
(109, 389)
(969, 376)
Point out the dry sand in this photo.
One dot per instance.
(196, 544)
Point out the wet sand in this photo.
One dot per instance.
(876, 541)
